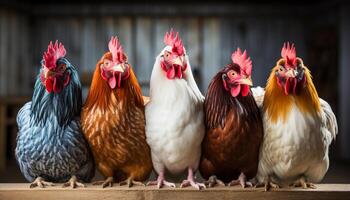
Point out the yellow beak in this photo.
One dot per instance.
(118, 68)
(246, 81)
(177, 61)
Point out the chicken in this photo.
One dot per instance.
(234, 128)
(50, 144)
(174, 115)
(298, 125)
(113, 121)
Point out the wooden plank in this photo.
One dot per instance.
(22, 191)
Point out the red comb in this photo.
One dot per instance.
(53, 53)
(289, 54)
(243, 61)
(117, 51)
(175, 41)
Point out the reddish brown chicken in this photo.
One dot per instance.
(234, 130)
(113, 121)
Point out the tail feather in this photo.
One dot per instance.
(330, 120)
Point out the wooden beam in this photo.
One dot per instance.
(22, 191)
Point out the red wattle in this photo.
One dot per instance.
(235, 90)
(49, 85)
(57, 85)
(179, 72)
(286, 87)
(119, 79)
(171, 73)
(112, 81)
(245, 90)
(294, 80)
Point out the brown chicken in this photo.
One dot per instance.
(234, 129)
(113, 121)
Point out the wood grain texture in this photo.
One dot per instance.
(22, 191)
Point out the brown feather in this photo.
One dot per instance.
(234, 133)
(113, 122)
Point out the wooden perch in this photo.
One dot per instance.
(22, 191)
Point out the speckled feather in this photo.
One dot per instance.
(234, 132)
(49, 142)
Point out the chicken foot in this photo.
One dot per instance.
(160, 182)
(301, 182)
(191, 182)
(108, 182)
(73, 183)
(242, 180)
(212, 181)
(40, 183)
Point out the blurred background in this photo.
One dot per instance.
(211, 31)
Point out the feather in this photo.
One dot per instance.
(330, 119)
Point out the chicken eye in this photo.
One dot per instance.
(281, 69)
(166, 54)
(106, 62)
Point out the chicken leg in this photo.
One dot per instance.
(242, 180)
(40, 183)
(73, 183)
(190, 181)
(161, 181)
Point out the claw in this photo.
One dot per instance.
(304, 184)
(39, 182)
(190, 181)
(131, 182)
(108, 182)
(267, 184)
(212, 181)
(73, 183)
(242, 180)
(161, 181)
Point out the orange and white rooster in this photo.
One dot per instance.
(298, 125)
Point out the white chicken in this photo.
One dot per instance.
(298, 126)
(174, 115)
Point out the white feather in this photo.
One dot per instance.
(174, 121)
(297, 147)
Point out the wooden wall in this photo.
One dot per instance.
(209, 41)
(210, 34)
(15, 64)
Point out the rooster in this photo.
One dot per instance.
(174, 115)
(234, 128)
(113, 121)
(299, 126)
(50, 145)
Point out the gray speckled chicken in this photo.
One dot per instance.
(50, 145)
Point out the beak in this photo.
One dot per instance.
(118, 68)
(291, 73)
(177, 61)
(246, 81)
(47, 73)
